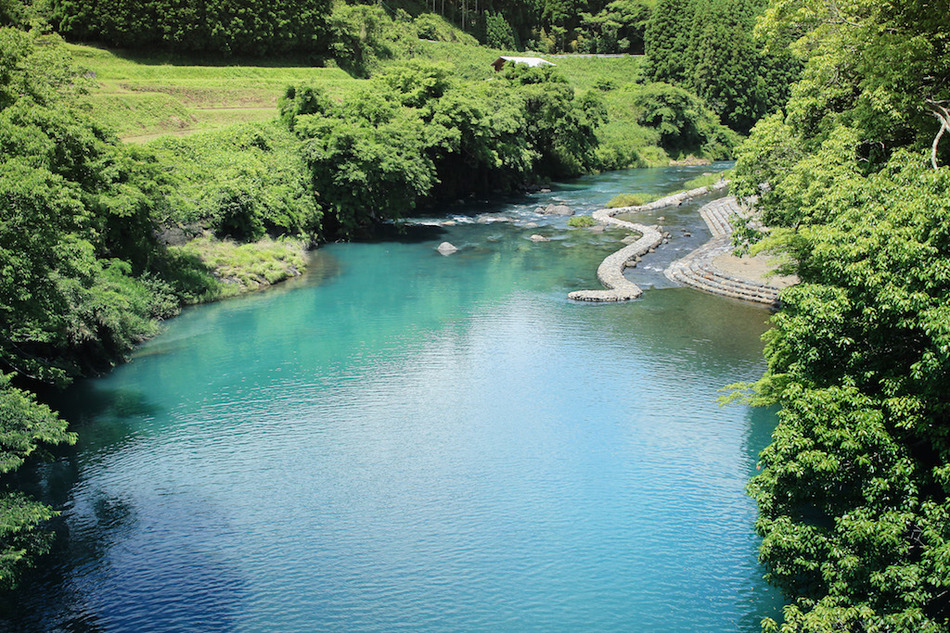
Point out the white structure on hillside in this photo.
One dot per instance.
(530, 61)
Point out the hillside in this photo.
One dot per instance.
(145, 97)
(142, 98)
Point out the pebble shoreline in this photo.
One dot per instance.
(610, 272)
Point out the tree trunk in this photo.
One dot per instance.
(943, 116)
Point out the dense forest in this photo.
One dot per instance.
(853, 492)
(846, 106)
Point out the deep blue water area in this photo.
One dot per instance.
(402, 441)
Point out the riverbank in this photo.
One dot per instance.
(242, 268)
(713, 267)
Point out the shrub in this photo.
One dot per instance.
(581, 221)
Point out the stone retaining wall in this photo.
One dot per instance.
(610, 271)
(699, 271)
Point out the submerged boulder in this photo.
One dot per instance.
(556, 209)
(447, 248)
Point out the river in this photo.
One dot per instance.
(402, 441)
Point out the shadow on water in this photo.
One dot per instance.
(401, 233)
(760, 425)
(87, 582)
(102, 417)
(90, 589)
(701, 328)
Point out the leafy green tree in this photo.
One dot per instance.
(477, 141)
(617, 28)
(358, 37)
(414, 136)
(560, 128)
(26, 427)
(13, 13)
(685, 124)
(240, 183)
(77, 261)
(854, 493)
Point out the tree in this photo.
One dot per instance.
(25, 427)
(618, 28)
(708, 48)
(498, 33)
(854, 493)
(667, 40)
(254, 27)
(685, 124)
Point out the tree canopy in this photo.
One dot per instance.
(708, 48)
(413, 135)
(853, 493)
(252, 27)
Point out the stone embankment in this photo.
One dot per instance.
(699, 270)
(610, 272)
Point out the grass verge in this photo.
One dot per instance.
(241, 268)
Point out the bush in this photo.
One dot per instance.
(581, 221)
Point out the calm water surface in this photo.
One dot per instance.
(403, 441)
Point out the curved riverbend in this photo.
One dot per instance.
(610, 271)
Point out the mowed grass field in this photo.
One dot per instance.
(144, 97)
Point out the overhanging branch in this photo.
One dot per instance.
(939, 110)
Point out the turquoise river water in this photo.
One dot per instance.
(401, 441)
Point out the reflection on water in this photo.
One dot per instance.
(406, 441)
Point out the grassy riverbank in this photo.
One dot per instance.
(215, 123)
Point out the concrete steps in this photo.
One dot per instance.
(698, 270)
(703, 276)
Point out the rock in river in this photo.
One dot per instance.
(446, 248)
(556, 209)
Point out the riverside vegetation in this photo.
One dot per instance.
(854, 493)
(100, 239)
